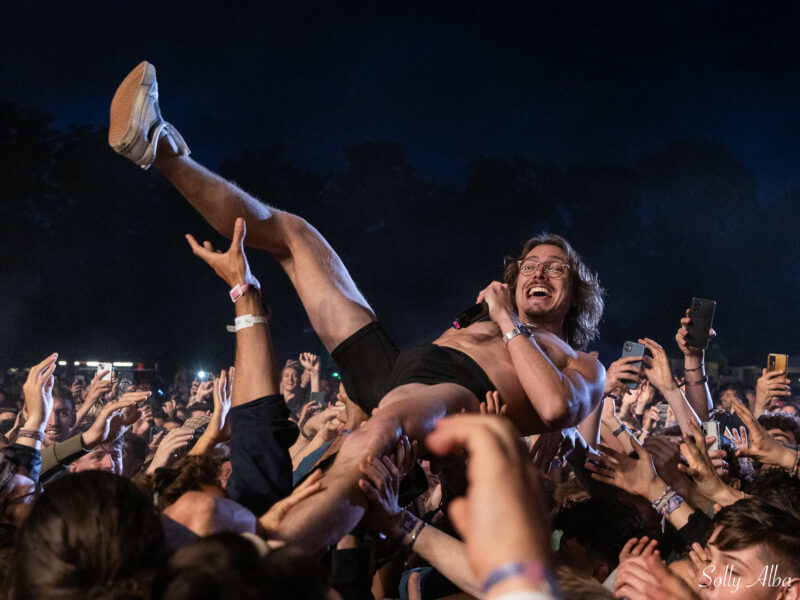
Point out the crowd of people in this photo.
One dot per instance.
(501, 461)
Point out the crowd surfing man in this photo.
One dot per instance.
(530, 350)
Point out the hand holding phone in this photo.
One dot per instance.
(701, 319)
(633, 349)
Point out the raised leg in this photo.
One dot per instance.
(335, 306)
(327, 516)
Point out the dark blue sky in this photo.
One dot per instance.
(570, 81)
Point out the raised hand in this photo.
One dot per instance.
(381, 485)
(309, 361)
(762, 446)
(771, 384)
(37, 389)
(232, 265)
(167, 451)
(646, 578)
(634, 476)
(98, 388)
(501, 518)
(657, 369)
(114, 419)
(619, 372)
(701, 468)
(205, 391)
(739, 437)
(642, 546)
(680, 337)
(493, 405)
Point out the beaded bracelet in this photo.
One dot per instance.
(533, 571)
(31, 433)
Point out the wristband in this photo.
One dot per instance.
(245, 321)
(535, 572)
(31, 433)
(239, 290)
(305, 435)
(695, 369)
(702, 381)
(620, 429)
(415, 534)
(796, 465)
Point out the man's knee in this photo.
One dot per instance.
(376, 437)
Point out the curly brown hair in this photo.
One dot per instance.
(581, 324)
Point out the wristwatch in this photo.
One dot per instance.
(519, 330)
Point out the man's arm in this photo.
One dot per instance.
(697, 392)
(260, 430)
(561, 398)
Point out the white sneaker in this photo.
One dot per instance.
(136, 124)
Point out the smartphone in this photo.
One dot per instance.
(106, 367)
(777, 362)
(662, 414)
(711, 428)
(81, 378)
(701, 314)
(633, 349)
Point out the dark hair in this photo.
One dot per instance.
(604, 536)
(731, 385)
(777, 487)
(191, 474)
(755, 522)
(582, 320)
(220, 566)
(91, 534)
(784, 421)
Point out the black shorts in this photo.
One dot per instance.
(372, 366)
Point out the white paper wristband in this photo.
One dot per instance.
(246, 321)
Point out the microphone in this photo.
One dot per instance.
(472, 314)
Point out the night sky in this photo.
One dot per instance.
(568, 82)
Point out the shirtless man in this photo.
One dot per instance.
(530, 360)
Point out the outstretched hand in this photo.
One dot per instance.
(232, 265)
(273, 517)
(683, 331)
(657, 368)
(501, 519)
(38, 392)
(114, 419)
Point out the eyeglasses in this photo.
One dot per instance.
(552, 269)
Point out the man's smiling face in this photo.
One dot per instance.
(543, 296)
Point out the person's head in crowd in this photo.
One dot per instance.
(134, 453)
(291, 376)
(227, 566)
(727, 393)
(199, 473)
(782, 406)
(758, 545)
(159, 416)
(8, 416)
(199, 409)
(182, 413)
(783, 427)
(777, 487)
(17, 494)
(740, 473)
(591, 545)
(171, 424)
(104, 457)
(62, 419)
(584, 305)
(90, 535)
(750, 396)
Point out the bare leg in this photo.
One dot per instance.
(327, 516)
(331, 299)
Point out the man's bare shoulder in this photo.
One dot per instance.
(565, 357)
